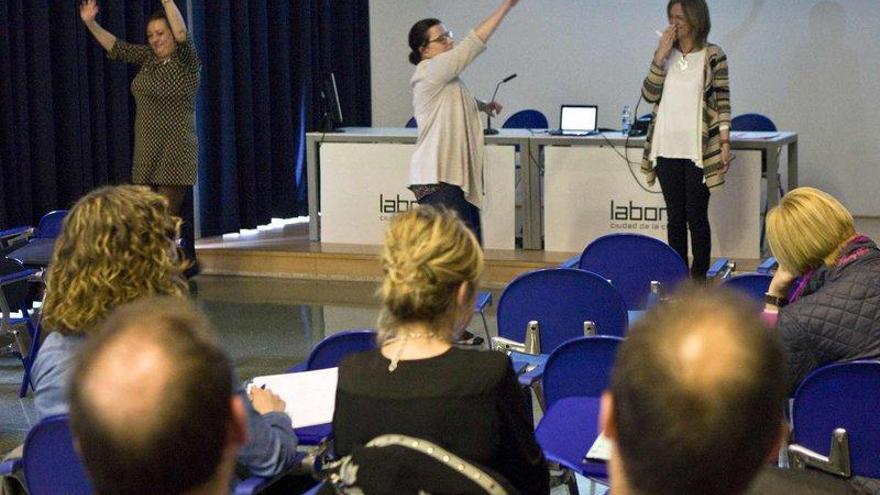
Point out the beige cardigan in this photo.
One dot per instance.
(450, 144)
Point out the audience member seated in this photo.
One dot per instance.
(417, 383)
(833, 312)
(118, 245)
(696, 400)
(152, 406)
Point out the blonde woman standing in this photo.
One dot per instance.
(417, 383)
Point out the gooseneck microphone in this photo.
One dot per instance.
(489, 131)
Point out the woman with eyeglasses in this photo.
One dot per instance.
(447, 165)
(688, 143)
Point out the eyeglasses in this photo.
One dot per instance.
(443, 38)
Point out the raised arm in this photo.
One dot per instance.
(486, 28)
(88, 11)
(175, 20)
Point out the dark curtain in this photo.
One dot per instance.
(263, 63)
(65, 110)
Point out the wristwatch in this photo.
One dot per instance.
(775, 300)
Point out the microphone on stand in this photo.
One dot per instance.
(489, 131)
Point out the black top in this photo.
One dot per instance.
(468, 402)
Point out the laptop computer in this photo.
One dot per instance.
(577, 120)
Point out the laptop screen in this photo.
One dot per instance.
(578, 118)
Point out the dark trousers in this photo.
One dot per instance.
(687, 207)
(452, 198)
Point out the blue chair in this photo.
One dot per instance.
(50, 463)
(754, 122)
(560, 300)
(411, 123)
(631, 262)
(330, 351)
(14, 285)
(38, 251)
(838, 404)
(754, 285)
(483, 300)
(328, 354)
(575, 376)
(526, 119)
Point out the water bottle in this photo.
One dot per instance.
(533, 339)
(625, 120)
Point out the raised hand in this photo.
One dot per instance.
(88, 10)
(664, 46)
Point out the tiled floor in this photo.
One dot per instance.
(266, 325)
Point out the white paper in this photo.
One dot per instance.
(601, 449)
(310, 395)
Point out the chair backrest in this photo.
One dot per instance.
(411, 123)
(841, 395)
(526, 119)
(402, 464)
(754, 285)
(50, 224)
(580, 367)
(330, 351)
(560, 300)
(50, 463)
(752, 122)
(631, 262)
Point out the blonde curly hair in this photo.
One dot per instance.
(426, 256)
(116, 246)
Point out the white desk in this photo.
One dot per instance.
(589, 190)
(358, 181)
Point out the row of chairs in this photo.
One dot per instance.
(27, 252)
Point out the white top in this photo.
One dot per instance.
(450, 144)
(679, 126)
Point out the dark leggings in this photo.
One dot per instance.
(452, 198)
(687, 207)
(176, 196)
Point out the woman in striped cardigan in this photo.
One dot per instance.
(688, 144)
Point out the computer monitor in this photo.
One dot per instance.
(332, 119)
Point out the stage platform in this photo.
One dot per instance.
(286, 252)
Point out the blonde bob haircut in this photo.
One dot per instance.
(426, 256)
(117, 245)
(808, 228)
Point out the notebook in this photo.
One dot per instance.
(577, 120)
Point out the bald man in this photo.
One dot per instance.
(696, 399)
(152, 404)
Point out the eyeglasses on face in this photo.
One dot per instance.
(443, 38)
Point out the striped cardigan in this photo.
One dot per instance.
(716, 113)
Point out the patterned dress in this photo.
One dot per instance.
(165, 144)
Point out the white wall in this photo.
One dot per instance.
(810, 65)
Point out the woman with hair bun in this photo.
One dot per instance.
(417, 383)
(447, 166)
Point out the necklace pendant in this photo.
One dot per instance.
(683, 63)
